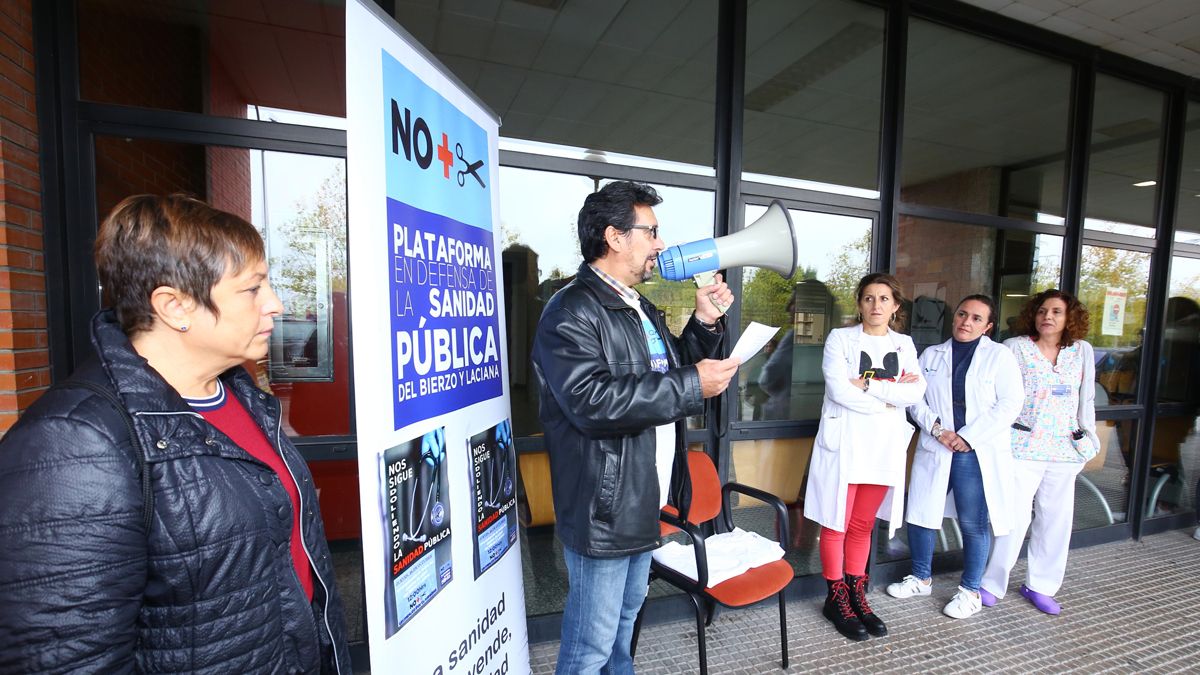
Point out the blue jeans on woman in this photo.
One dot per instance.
(603, 601)
(966, 481)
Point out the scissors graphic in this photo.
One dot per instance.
(472, 168)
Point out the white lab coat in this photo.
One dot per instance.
(994, 394)
(843, 405)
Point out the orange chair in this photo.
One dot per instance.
(710, 499)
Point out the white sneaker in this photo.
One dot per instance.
(964, 604)
(910, 586)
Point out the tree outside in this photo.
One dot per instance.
(766, 295)
(295, 247)
(1102, 268)
(849, 266)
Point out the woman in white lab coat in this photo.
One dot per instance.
(857, 467)
(973, 395)
(1052, 438)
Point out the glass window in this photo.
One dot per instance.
(780, 467)
(298, 203)
(1178, 379)
(1175, 451)
(1123, 165)
(629, 77)
(1113, 285)
(814, 75)
(784, 380)
(940, 263)
(1174, 464)
(1101, 493)
(1030, 264)
(1187, 213)
(985, 125)
(1102, 487)
(217, 58)
(540, 254)
(300, 206)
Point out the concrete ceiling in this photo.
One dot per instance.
(1162, 32)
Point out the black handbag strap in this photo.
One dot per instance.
(108, 395)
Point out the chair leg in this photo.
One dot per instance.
(783, 629)
(711, 608)
(698, 603)
(637, 623)
(637, 631)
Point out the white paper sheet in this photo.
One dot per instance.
(753, 339)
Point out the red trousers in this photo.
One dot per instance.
(848, 550)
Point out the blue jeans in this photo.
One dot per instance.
(603, 601)
(967, 483)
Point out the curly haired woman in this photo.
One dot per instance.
(1053, 437)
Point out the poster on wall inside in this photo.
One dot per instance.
(416, 511)
(493, 473)
(1114, 311)
(431, 392)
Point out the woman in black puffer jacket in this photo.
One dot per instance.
(153, 517)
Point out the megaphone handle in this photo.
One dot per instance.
(714, 405)
(708, 279)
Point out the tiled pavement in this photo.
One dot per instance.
(1128, 607)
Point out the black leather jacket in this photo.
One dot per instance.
(600, 404)
(210, 588)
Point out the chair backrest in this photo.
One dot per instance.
(706, 492)
(706, 488)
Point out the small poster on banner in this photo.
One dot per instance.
(493, 472)
(1114, 311)
(415, 486)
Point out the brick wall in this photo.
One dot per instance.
(143, 55)
(140, 55)
(942, 260)
(228, 168)
(128, 167)
(24, 352)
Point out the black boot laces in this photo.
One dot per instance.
(860, 595)
(841, 596)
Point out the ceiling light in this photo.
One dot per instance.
(1145, 183)
(1016, 295)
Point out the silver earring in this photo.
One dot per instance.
(183, 329)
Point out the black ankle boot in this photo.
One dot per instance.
(862, 609)
(841, 614)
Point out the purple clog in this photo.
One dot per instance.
(1043, 602)
(986, 598)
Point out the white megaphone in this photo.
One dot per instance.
(768, 242)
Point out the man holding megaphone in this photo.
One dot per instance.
(615, 388)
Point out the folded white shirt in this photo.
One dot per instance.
(729, 554)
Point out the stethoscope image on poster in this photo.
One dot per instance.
(415, 490)
(493, 474)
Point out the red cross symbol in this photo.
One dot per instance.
(445, 156)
